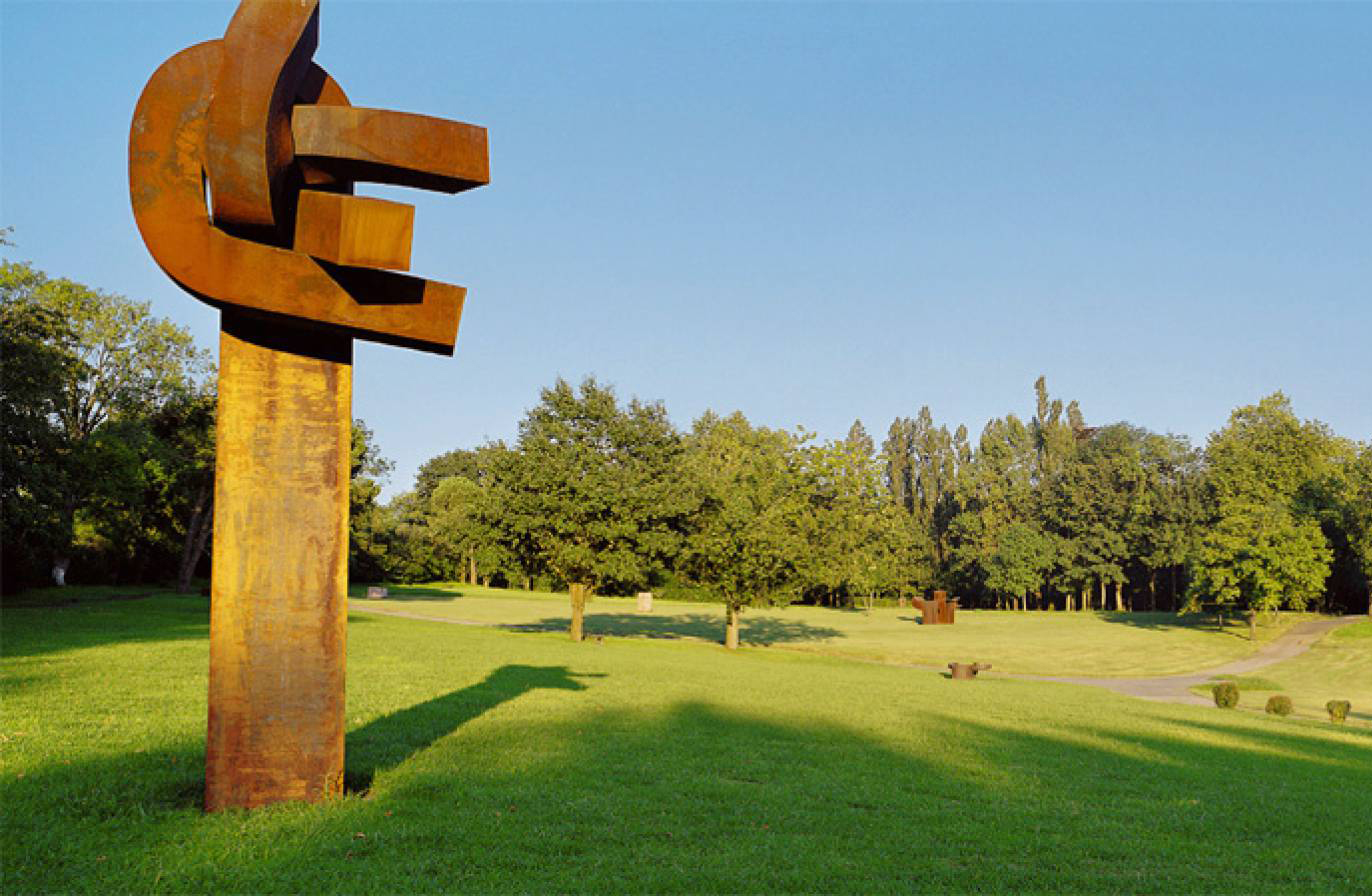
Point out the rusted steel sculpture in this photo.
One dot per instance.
(939, 611)
(242, 159)
(967, 671)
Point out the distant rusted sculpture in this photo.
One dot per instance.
(939, 611)
(967, 671)
(242, 158)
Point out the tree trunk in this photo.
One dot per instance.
(528, 584)
(1102, 594)
(1119, 597)
(1252, 625)
(731, 627)
(197, 533)
(578, 593)
(1174, 588)
(471, 569)
(1067, 601)
(61, 562)
(1152, 590)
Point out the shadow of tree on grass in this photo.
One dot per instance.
(411, 592)
(1235, 624)
(754, 630)
(96, 623)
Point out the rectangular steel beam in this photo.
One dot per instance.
(278, 612)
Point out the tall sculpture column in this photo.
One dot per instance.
(242, 159)
(278, 611)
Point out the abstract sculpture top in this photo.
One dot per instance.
(242, 159)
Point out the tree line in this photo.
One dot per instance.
(1043, 512)
(107, 474)
(107, 441)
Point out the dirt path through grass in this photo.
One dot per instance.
(1177, 688)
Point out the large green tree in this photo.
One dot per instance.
(850, 525)
(34, 366)
(1170, 509)
(1262, 547)
(995, 490)
(1356, 507)
(922, 466)
(90, 368)
(591, 488)
(1017, 565)
(368, 524)
(746, 485)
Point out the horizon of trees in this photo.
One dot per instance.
(107, 474)
(1273, 513)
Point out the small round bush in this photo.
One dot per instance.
(1226, 694)
(1338, 710)
(1279, 705)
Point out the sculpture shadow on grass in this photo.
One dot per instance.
(692, 796)
(386, 742)
(1235, 624)
(754, 630)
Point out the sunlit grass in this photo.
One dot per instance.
(1046, 643)
(486, 760)
(1337, 667)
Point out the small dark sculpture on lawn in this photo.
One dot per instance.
(242, 158)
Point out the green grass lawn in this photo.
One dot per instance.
(488, 760)
(1338, 667)
(1101, 644)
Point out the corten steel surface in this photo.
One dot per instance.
(278, 599)
(350, 230)
(242, 158)
(967, 671)
(939, 611)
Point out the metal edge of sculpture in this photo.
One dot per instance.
(242, 158)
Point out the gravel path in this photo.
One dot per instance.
(1177, 688)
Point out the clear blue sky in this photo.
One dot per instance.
(810, 213)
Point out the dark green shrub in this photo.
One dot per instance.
(1226, 694)
(1338, 710)
(1279, 705)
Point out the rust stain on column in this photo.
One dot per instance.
(278, 618)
